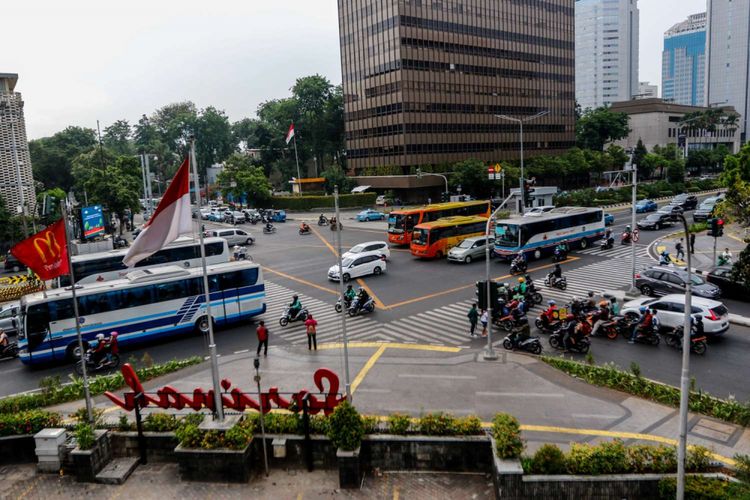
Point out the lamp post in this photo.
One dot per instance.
(345, 340)
(520, 122)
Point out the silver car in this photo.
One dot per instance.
(233, 236)
(9, 317)
(470, 249)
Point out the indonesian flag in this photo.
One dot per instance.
(45, 253)
(290, 134)
(171, 219)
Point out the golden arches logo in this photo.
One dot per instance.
(49, 240)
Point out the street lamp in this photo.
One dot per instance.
(520, 122)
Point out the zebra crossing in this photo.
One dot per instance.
(617, 252)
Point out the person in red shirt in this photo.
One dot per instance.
(262, 332)
(312, 330)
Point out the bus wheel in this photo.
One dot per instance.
(201, 325)
(584, 244)
(73, 353)
(537, 254)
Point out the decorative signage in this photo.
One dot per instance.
(93, 221)
(169, 397)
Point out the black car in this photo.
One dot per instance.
(655, 221)
(731, 289)
(666, 280)
(686, 201)
(705, 211)
(13, 264)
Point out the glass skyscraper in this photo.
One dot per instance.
(683, 66)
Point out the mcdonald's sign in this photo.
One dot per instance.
(46, 252)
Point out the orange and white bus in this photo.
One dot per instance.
(402, 222)
(435, 239)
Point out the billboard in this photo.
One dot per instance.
(92, 221)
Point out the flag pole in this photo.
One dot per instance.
(296, 157)
(219, 412)
(86, 392)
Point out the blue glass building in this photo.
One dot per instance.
(684, 62)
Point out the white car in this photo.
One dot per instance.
(671, 311)
(363, 264)
(369, 246)
(233, 236)
(205, 212)
(380, 200)
(9, 317)
(537, 211)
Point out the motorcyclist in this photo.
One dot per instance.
(614, 307)
(295, 307)
(562, 248)
(696, 326)
(603, 317)
(322, 219)
(581, 329)
(269, 226)
(4, 342)
(100, 351)
(568, 328)
(304, 227)
(349, 294)
(521, 332)
(725, 259)
(591, 301)
(644, 325)
(503, 292)
(113, 347)
(550, 314)
(522, 286)
(362, 298)
(609, 240)
(555, 275)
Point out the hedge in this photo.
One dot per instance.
(310, 202)
(610, 376)
(27, 422)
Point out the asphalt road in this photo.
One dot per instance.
(409, 288)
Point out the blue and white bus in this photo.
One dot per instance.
(148, 304)
(538, 236)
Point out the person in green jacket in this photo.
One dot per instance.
(473, 316)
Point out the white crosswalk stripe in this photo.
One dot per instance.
(617, 252)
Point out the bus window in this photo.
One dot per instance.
(61, 309)
(420, 236)
(249, 277)
(170, 291)
(506, 235)
(216, 248)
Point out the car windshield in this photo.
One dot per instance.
(642, 203)
(653, 217)
(420, 236)
(357, 249)
(680, 197)
(506, 235)
(465, 244)
(346, 262)
(696, 280)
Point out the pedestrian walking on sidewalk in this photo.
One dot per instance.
(483, 319)
(473, 316)
(312, 331)
(692, 243)
(680, 251)
(262, 332)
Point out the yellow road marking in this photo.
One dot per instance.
(378, 302)
(395, 493)
(368, 366)
(300, 280)
(465, 287)
(325, 242)
(675, 260)
(735, 237)
(299, 496)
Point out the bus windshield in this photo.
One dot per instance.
(420, 236)
(398, 223)
(506, 235)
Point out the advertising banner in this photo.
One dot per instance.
(93, 221)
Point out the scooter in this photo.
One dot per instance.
(650, 338)
(286, 316)
(698, 344)
(120, 242)
(532, 344)
(559, 255)
(518, 266)
(561, 283)
(305, 231)
(582, 345)
(618, 325)
(545, 326)
(240, 253)
(267, 230)
(255, 219)
(367, 307)
(10, 351)
(110, 362)
(339, 307)
(335, 226)
(626, 238)
(322, 220)
(607, 243)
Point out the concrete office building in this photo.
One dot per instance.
(423, 80)
(15, 163)
(647, 91)
(683, 66)
(606, 51)
(728, 52)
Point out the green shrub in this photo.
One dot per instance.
(189, 435)
(549, 459)
(507, 434)
(345, 428)
(238, 437)
(698, 459)
(436, 424)
(124, 425)
(369, 424)
(81, 415)
(468, 426)
(398, 423)
(703, 488)
(644, 459)
(319, 424)
(608, 457)
(85, 437)
(742, 467)
(27, 422)
(310, 202)
(698, 227)
(212, 440)
(282, 423)
(159, 422)
(191, 419)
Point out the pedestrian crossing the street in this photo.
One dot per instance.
(617, 252)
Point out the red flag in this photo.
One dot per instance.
(290, 134)
(45, 253)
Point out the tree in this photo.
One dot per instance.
(11, 229)
(50, 210)
(214, 141)
(52, 157)
(117, 138)
(639, 153)
(335, 176)
(676, 172)
(471, 175)
(241, 178)
(600, 126)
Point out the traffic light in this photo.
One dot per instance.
(716, 227)
(444, 197)
(720, 227)
(482, 293)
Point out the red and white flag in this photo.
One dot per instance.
(290, 134)
(171, 219)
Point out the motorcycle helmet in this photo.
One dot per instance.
(113, 334)
(348, 287)
(521, 280)
(627, 228)
(294, 297)
(591, 294)
(551, 302)
(99, 337)
(570, 317)
(643, 309)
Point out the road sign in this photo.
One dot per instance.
(498, 168)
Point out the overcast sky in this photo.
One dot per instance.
(83, 60)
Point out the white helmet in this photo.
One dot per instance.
(100, 337)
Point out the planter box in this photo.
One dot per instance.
(350, 473)
(18, 449)
(88, 463)
(427, 453)
(160, 445)
(220, 465)
(323, 452)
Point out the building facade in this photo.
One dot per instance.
(647, 91)
(606, 34)
(16, 179)
(683, 66)
(423, 80)
(728, 36)
(657, 123)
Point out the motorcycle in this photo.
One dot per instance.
(561, 283)
(367, 307)
(286, 316)
(10, 351)
(616, 326)
(532, 344)
(559, 255)
(607, 243)
(240, 253)
(255, 218)
(339, 307)
(582, 345)
(110, 362)
(267, 230)
(546, 326)
(698, 342)
(518, 266)
(322, 220)
(303, 231)
(334, 225)
(626, 238)
(650, 338)
(120, 242)
(508, 323)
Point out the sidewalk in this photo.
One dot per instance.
(704, 244)
(407, 378)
